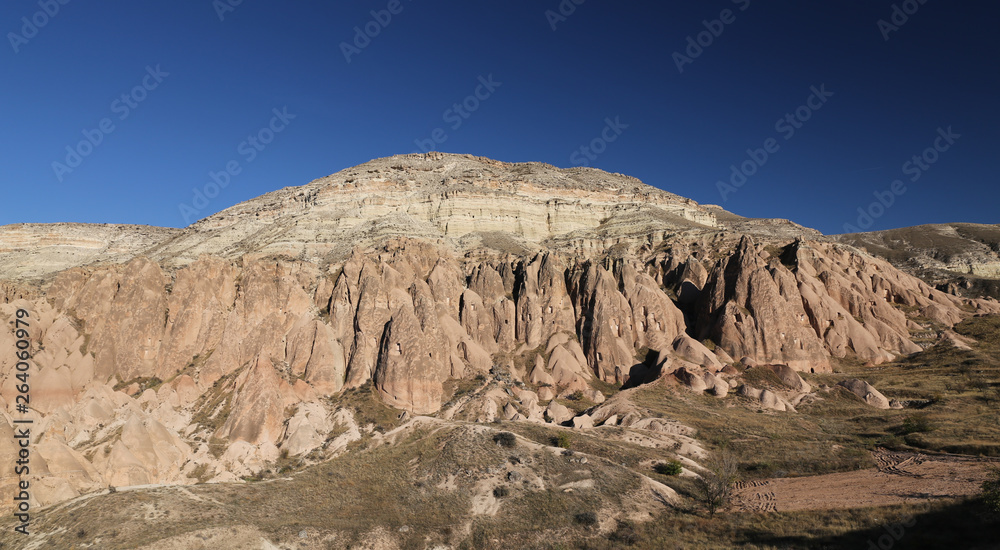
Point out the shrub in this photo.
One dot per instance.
(505, 439)
(672, 468)
(893, 442)
(991, 491)
(715, 486)
(586, 519)
(624, 534)
(500, 492)
(563, 440)
(918, 423)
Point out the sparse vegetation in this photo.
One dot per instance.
(715, 486)
(144, 383)
(368, 407)
(671, 468)
(587, 519)
(917, 423)
(505, 439)
(991, 491)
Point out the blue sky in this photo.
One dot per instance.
(165, 94)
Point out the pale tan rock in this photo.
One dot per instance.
(409, 370)
(198, 306)
(691, 379)
(866, 391)
(724, 357)
(538, 375)
(478, 359)
(566, 371)
(306, 429)
(51, 389)
(696, 352)
(744, 311)
(583, 422)
(65, 463)
(956, 340)
(187, 390)
(767, 398)
(258, 409)
(594, 395)
(546, 393)
(716, 384)
(790, 378)
(558, 413)
(578, 269)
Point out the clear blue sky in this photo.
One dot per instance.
(552, 92)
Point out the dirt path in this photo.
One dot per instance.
(899, 478)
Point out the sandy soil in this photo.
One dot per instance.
(899, 478)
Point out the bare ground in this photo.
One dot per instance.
(900, 478)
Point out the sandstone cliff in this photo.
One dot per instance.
(211, 352)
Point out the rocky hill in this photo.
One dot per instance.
(449, 286)
(962, 258)
(462, 202)
(34, 251)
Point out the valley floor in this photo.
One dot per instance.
(901, 478)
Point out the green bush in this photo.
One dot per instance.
(918, 423)
(672, 468)
(505, 439)
(563, 440)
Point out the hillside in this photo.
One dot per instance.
(365, 338)
(963, 258)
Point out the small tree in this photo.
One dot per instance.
(991, 490)
(672, 468)
(563, 440)
(715, 486)
(505, 439)
(918, 423)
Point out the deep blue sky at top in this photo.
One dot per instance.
(557, 88)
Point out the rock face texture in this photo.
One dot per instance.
(752, 308)
(38, 250)
(960, 258)
(210, 352)
(866, 391)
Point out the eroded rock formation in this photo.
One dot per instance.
(170, 367)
